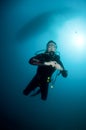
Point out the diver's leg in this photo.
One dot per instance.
(44, 91)
(30, 87)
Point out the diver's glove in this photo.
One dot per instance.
(64, 73)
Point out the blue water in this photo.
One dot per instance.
(26, 27)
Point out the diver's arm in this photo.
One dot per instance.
(58, 66)
(64, 72)
(37, 60)
(54, 64)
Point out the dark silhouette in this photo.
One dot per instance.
(42, 23)
(47, 63)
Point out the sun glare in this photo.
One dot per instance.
(72, 35)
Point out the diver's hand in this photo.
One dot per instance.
(50, 63)
(58, 66)
(54, 64)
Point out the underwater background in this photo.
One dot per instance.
(26, 27)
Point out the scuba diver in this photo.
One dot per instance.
(47, 62)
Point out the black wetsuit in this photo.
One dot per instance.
(44, 73)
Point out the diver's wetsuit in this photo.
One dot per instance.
(44, 73)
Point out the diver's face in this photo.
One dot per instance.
(51, 47)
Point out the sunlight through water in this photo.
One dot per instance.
(72, 34)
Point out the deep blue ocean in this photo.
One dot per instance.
(26, 27)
